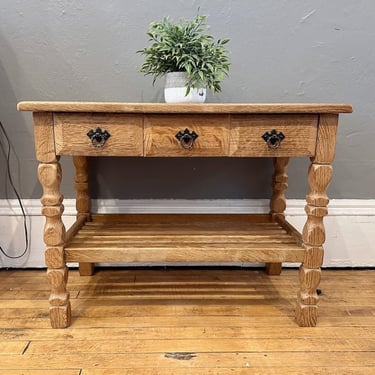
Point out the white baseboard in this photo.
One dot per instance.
(349, 225)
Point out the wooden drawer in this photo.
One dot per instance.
(299, 130)
(160, 135)
(126, 134)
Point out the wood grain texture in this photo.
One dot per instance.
(279, 185)
(278, 201)
(86, 268)
(313, 233)
(300, 133)
(149, 129)
(326, 139)
(290, 229)
(74, 229)
(40, 106)
(44, 137)
(54, 238)
(319, 177)
(81, 177)
(50, 179)
(273, 268)
(231, 321)
(160, 135)
(126, 134)
(313, 256)
(198, 239)
(54, 256)
(83, 203)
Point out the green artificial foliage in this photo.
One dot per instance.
(186, 47)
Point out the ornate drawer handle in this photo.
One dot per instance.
(98, 137)
(187, 138)
(273, 138)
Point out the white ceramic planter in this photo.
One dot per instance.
(175, 90)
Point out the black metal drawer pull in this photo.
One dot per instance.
(98, 137)
(187, 138)
(273, 138)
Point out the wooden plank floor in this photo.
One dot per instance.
(187, 321)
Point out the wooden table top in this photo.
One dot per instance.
(235, 108)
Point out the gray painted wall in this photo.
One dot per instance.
(281, 51)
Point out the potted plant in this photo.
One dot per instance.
(191, 59)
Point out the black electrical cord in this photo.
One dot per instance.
(7, 151)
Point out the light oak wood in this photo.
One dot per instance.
(149, 129)
(74, 229)
(278, 201)
(83, 204)
(313, 234)
(273, 268)
(199, 239)
(215, 330)
(44, 133)
(71, 134)
(326, 141)
(187, 345)
(180, 254)
(160, 135)
(132, 320)
(54, 256)
(290, 229)
(256, 108)
(86, 268)
(54, 238)
(300, 133)
(279, 185)
(38, 372)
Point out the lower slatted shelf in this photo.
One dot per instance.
(183, 238)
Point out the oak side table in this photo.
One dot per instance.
(276, 130)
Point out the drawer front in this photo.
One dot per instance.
(212, 131)
(297, 138)
(125, 134)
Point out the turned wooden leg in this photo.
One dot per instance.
(83, 202)
(278, 200)
(54, 238)
(313, 234)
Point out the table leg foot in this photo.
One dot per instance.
(273, 268)
(307, 301)
(86, 269)
(306, 315)
(60, 316)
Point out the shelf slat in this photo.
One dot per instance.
(164, 238)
